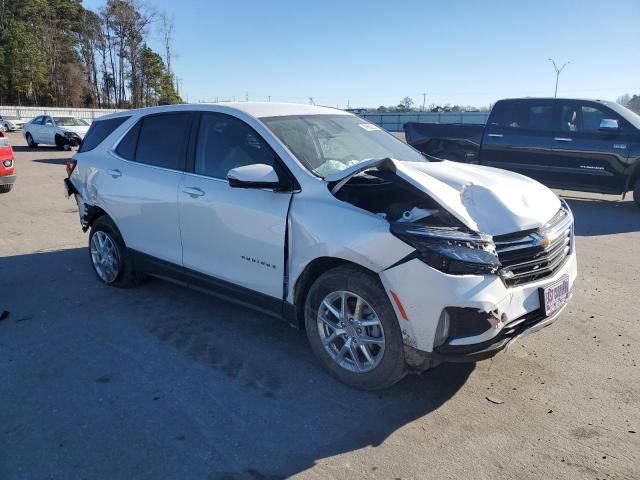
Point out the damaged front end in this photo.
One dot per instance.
(440, 239)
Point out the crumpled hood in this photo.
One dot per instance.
(80, 130)
(485, 199)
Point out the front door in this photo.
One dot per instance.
(47, 131)
(586, 157)
(234, 235)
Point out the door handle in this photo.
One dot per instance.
(563, 139)
(193, 191)
(495, 135)
(115, 173)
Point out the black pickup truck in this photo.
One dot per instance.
(584, 145)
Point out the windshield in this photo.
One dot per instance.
(70, 122)
(624, 112)
(327, 144)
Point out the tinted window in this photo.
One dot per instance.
(525, 115)
(47, 121)
(224, 142)
(99, 130)
(37, 121)
(127, 146)
(163, 140)
(591, 117)
(585, 118)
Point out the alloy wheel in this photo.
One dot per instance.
(350, 331)
(105, 256)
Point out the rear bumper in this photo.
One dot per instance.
(8, 179)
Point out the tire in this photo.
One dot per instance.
(636, 192)
(6, 188)
(116, 268)
(385, 364)
(30, 141)
(62, 143)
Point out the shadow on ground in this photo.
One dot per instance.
(51, 161)
(164, 382)
(39, 148)
(603, 217)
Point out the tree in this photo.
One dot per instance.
(623, 99)
(634, 104)
(406, 103)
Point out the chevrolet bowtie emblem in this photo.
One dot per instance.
(544, 241)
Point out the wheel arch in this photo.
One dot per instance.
(311, 272)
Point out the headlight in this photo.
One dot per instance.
(450, 249)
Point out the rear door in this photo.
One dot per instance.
(518, 137)
(233, 235)
(139, 184)
(585, 157)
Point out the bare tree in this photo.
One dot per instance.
(407, 103)
(624, 99)
(166, 32)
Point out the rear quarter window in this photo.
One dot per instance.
(98, 131)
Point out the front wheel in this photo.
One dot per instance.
(353, 329)
(109, 255)
(636, 192)
(30, 141)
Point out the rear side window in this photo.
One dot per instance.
(127, 146)
(98, 131)
(162, 141)
(524, 115)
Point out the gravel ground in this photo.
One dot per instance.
(164, 382)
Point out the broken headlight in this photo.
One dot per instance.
(450, 249)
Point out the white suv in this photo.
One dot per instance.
(390, 262)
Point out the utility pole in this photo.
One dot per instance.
(424, 99)
(311, 101)
(558, 72)
(269, 97)
(246, 96)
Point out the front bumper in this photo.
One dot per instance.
(425, 293)
(8, 179)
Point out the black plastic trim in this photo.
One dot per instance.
(261, 302)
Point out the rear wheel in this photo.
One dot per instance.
(30, 141)
(109, 255)
(636, 192)
(353, 329)
(6, 188)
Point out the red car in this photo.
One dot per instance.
(7, 165)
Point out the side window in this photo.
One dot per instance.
(526, 115)
(163, 139)
(37, 121)
(127, 146)
(98, 131)
(569, 118)
(225, 142)
(47, 121)
(591, 117)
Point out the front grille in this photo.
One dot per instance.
(535, 254)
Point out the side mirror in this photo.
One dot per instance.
(257, 175)
(609, 125)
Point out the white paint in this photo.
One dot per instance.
(239, 235)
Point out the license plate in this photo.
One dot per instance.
(556, 295)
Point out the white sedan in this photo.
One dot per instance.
(63, 132)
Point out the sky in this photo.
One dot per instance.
(368, 53)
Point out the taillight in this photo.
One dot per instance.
(71, 164)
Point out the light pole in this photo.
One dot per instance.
(558, 72)
(424, 99)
